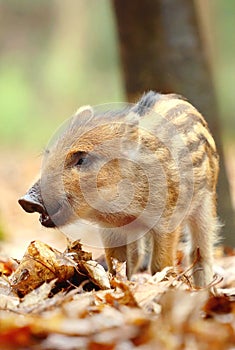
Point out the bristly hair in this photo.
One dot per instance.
(147, 101)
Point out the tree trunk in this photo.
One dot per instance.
(161, 49)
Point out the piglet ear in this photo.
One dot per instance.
(83, 115)
(85, 111)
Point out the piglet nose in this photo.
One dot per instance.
(30, 205)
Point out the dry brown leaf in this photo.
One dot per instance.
(61, 342)
(74, 249)
(119, 269)
(40, 264)
(97, 274)
(8, 302)
(7, 266)
(218, 305)
(5, 286)
(35, 298)
(180, 317)
(123, 295)
(16, 338)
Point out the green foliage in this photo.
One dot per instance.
(56, 56)
(48, 70)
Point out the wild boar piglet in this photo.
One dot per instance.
(143, 173)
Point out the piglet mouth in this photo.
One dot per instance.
(55, 217)
(52, 214)
(46, 220)
(32, 206)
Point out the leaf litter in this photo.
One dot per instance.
(52, 300)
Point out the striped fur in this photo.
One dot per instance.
(201, 217)
(149, 170)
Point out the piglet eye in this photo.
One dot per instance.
(77, 159)
(80, 161)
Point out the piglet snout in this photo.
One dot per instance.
(32, 202)
(30, 205)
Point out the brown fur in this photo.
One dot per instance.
(149, 149)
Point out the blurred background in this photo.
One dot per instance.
(57, 55)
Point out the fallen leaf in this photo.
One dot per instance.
(217, 305)
(97, 274)
(40, 264)
(7, 266)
